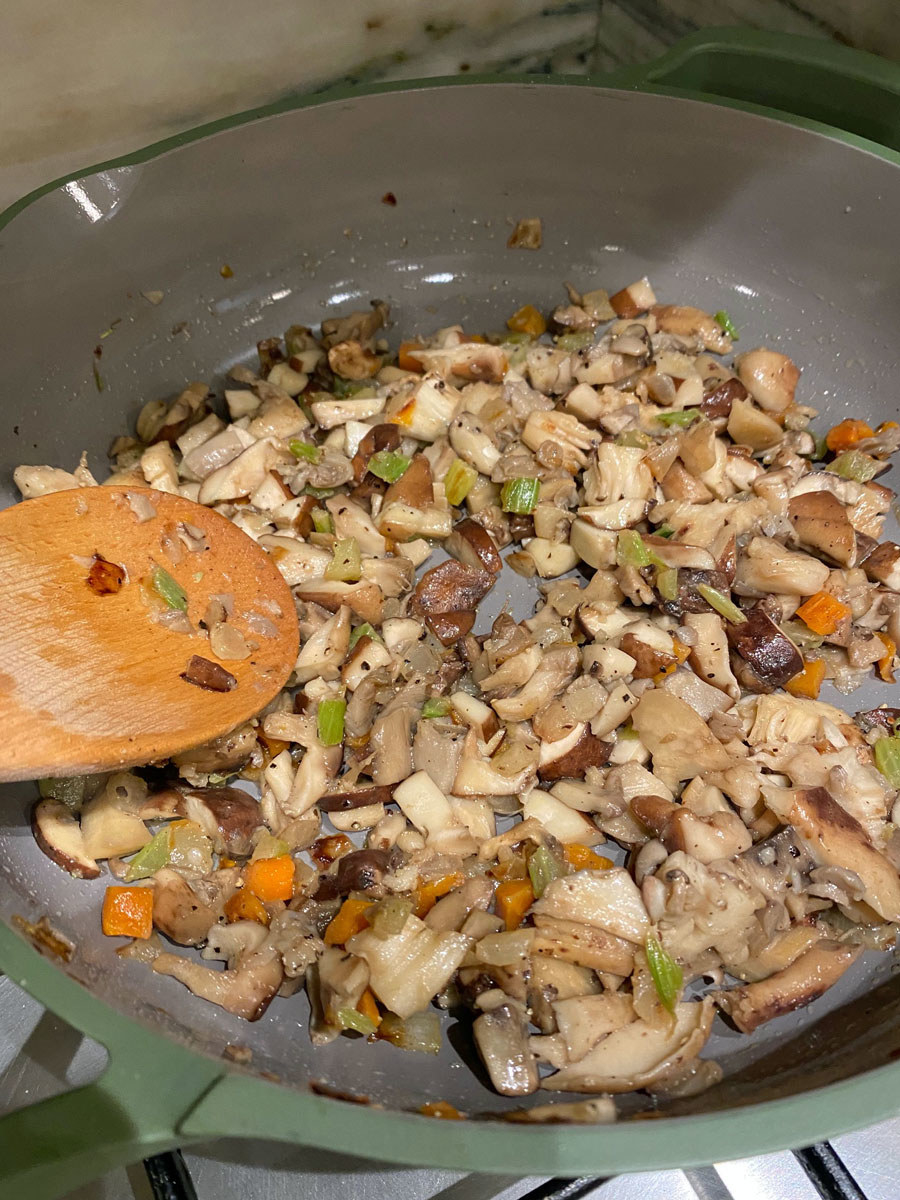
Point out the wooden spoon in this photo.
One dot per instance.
(92, 675)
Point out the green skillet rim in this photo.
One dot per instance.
(288, 1114)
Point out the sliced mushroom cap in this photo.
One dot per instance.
(410, 967)
(834, 838)
(415, 486)
(501, 1037)
(59, 835)
(344, 800)
(228, 815)
(770, 378)
(821, 524)
(766, 566)
(719, 398)
(473, 545)
(678, 739)
(608, 899)
(807, 978)
(770, 652)
(108, 830)
(588, 751)
(556, 668)
(883, 565)
(451, 587)
(178, 911)
(639, 1054)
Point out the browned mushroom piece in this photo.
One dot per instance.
(878, 718)
(717, 400)
(471, 543)
(344, 800)
(245, 990)
(770, 653)
(833, 837)
(648, 661)
(379, 437)
(527, 234)
(688, 599)
(883, 565)
(821, 524)
(414, 487)
(501, 1036)
(228, 815)
(633, 300)
(589, 751)
(351, 360)
(679, 484)
(179, 912)
(451, 587)
(805, 980)
(58, 833)
(770, 378)
(361, 871)
(208, 675)
(448, 628)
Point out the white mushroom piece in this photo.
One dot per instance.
(248, 984)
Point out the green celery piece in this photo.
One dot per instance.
(665, 972)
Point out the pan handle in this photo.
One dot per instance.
(813, 79)
(133, 1110)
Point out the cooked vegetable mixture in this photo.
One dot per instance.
(595, 827)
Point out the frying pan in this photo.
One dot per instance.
(676, 172)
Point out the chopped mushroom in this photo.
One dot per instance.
(805, 980)
(700, 558)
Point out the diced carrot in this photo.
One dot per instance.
(349, 919)
(681, 652)
(271, 878)
(327, 849)
(846, 434)
(442, 1110)
(886, 665)
(405, 360)
(368, 1006)
(225, 861)
(431, 891)
(514, 898)
(808, 682)
(583, 858)
(474, 337)
(244, 906)
(822, 613)
(271, 747)
(128, 912)
(527, 320)
(886, 425)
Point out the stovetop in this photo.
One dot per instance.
(40, 1055)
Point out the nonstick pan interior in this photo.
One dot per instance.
(791, 232)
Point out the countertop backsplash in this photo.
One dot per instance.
(80, 83)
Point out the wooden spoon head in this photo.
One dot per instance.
(90, 679)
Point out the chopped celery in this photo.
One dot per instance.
(665, 972)
(667, 582)
(322, 522)
(665, 531)
(269, 846)
(69, 792)
(459, 481)
(346, 562)
(515, 337)
(721, 603)
(388, 465)
(361, 631)
(435, 706)
(169, 589)
(887, 759)
(682, 417)
(520, 495)
(820, 449)
(351, 1018)
(318, 493)
(330, 721)
(388, 917)
(627, 733)
(543, 867)
(305, 450)
(358, 389)
(853, 464)
(635, 438)
(578, 340)
(150, 858)
(723, 319)
(631, 550)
